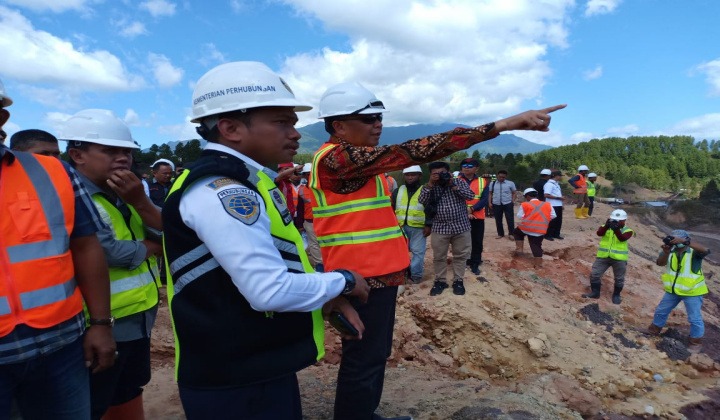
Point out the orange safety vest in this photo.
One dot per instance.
(477, 185)
(295, 197)
(357, 231)
(37, 280)
(582, 185)
(537, 216)
(306, 195)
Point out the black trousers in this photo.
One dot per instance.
(591, 206)
(556, 223)
(477, 233)
(362, 367)
(499, 211)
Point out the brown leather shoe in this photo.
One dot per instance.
(694, 345)
(652, 329)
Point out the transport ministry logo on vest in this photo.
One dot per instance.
(241, 203)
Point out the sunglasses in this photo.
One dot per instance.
(365, 119)
(468, 165)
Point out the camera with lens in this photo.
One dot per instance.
(613, 224)
(444, 178)
(668, 239)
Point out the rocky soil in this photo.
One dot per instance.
(523, 343)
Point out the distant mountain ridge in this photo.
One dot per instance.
(314, 135)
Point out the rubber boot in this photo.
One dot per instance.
(131, 410)
(594, 291)
(518, 248)
(585, 212)
(578, 213)
(616, 299)
(537, 262)
(694, 345)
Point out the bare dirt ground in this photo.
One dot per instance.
(523, 343)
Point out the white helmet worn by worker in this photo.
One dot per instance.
(545, 172)
(592, 175)
(529, 190)
(583, 168)
(618, 214)
(98, 126)
(306, 168)
(6, 101)
(172, 165)
(412, 169)
(238, 86)
(349, 98)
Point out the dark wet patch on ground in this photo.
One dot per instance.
(674, 347)
(708, 409)
(626, 342)
(593, 314)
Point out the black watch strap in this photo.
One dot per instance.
(102, 321)
(349, 281)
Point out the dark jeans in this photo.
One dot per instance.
(49, 386)
(362, 368)
(477, 232)
(499, 211)
(276, 399)
(591, 206)
(556, 223)
(123, 382)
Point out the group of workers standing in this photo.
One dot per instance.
(80, 242)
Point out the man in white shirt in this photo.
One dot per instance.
(553, 195)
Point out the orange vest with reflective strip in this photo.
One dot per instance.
(307, 196)
(357, 231)
(295, 197)
(37, 278)
(581, 185)
(477, 185)
(537, 216)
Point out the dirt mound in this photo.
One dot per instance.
(523, 343)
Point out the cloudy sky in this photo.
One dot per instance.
(633, 67)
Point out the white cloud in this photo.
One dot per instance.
(131, 118)
(64, 98)
(132, 29)
(238, 6)
(701, 127)
(158, 8)
(55, 120)
(55, 6)
(10, 129)
(581, 137)
(184, 131)
(601, 7)
(211, 52)
(624, 131)
(166, 75)
(40, 57)
(712, 72)
(410, 57)
(593, 74)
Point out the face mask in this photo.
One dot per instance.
(680, 246)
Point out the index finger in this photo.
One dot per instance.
(553, 108)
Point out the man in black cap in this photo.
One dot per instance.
(476, 210)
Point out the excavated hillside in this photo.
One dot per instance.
(524, 344)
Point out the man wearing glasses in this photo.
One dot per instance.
(357, 228)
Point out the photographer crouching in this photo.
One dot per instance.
(444, 200)
(683, 281)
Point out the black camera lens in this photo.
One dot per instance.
(668, 239)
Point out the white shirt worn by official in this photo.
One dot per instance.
(553, 188)
(246, 251)
(521, 214)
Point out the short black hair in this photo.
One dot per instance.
(502, 171)
(329, 125)
(213, 134)
(24, 139)
(555, 173)
(437, 165)
(533, 194)
(75, 144)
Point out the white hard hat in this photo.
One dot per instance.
(529, 190)
(347, 99)
(6, 101)
(456, 174)
(241, 85)
(306, 168)
(412, 169)
(583, 168)
(98, 126)
(172, 165)
(592, 175)
(618, 214)
(545, 172)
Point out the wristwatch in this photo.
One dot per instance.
(349, 281)
(102, 321)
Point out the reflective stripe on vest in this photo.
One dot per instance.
(536, 218)
(411, 210)
(611, 247)
(131, 291)
(361, 223)
(37, 286)
(681, 280)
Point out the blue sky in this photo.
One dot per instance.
(633, 67)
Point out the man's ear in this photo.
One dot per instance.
(339, 127)
(77, 156)
(4, 116)
(231, 129)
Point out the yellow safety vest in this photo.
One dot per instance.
(679, 278)
(410, 210)
(612, 247)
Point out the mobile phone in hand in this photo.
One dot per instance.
(341, 324)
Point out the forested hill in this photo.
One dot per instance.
(658, 162)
